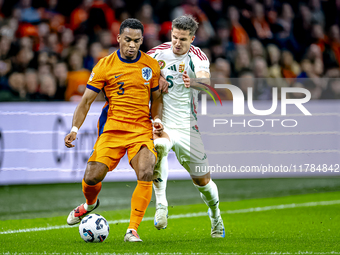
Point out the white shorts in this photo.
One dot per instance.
(189, 149)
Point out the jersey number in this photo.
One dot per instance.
(169, 79)
(121, 92)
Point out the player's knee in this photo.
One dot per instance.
(95, 173)
(146, 170)
(201, 181)
(146, 175)
(91, 180)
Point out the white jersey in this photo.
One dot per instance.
(180, 103)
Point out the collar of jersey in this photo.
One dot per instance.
(127, 60)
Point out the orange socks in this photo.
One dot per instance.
(140, 200)
(91, 192)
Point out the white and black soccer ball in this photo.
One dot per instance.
(94, 228)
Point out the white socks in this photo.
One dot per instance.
(160, 180)
(209, 194)
(160, 176)
(90, 207)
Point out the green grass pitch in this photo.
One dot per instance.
(262, 216)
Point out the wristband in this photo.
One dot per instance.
(74, 129)
(157, 120)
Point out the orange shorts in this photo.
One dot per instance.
(111, 146)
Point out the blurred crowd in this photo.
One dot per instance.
(49, 47)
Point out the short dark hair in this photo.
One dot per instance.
(131, 23)
(186, 22)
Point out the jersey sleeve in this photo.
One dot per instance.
(155, 78)
(201, 62)
(98, 76)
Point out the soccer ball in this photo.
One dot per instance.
(94, 228)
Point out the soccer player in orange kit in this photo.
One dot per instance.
(128, 78)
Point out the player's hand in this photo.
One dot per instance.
(186, 79)
(69, 139)
(158, 128)
(163, 84)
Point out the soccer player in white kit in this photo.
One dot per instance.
(179, 62)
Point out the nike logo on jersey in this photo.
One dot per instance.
(138, 210)
(116, 76)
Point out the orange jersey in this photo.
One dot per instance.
(127, 85)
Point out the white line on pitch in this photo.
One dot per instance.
(189, 215)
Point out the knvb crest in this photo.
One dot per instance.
(147, 73)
